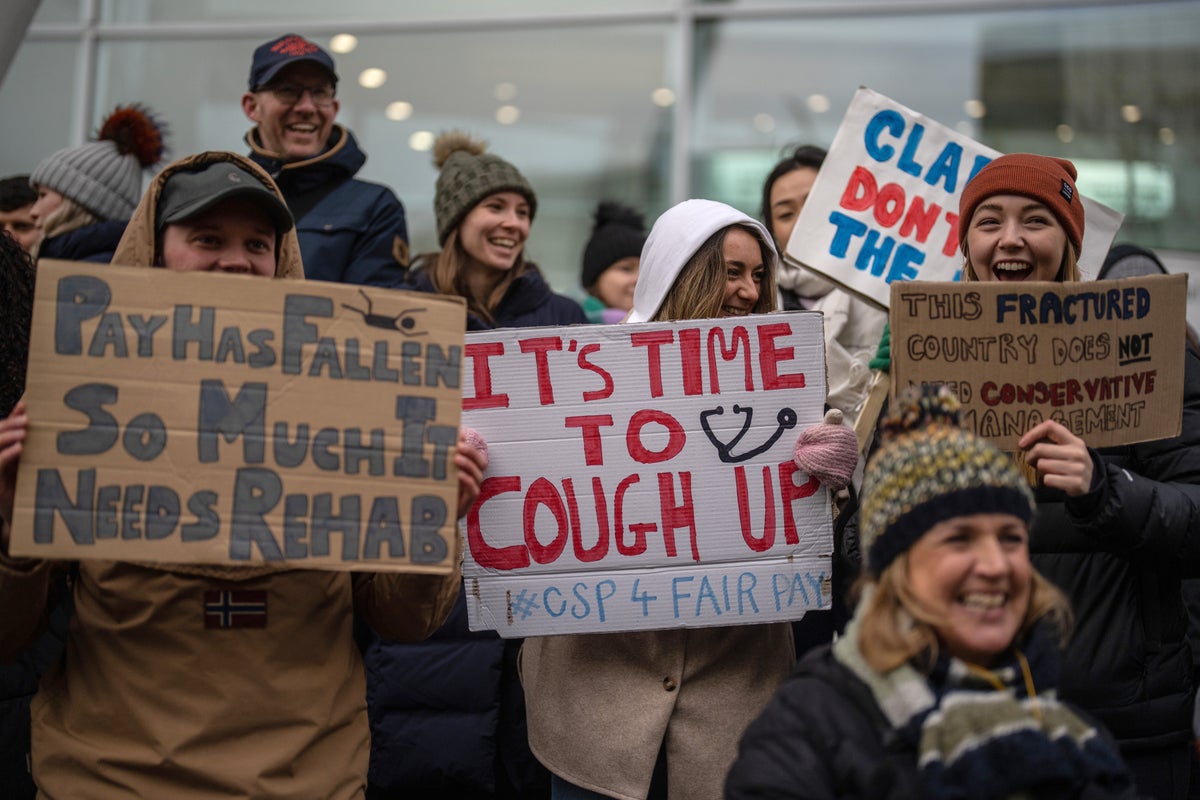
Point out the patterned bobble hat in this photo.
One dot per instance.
(930, 469)
(469, 174)
(105, 176)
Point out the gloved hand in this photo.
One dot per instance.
(828, 452)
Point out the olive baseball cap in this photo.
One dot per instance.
(186, 194)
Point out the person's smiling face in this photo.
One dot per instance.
(295, 111)
(234, 236)
(493, 233)
(1015, 238)
(744, 273)
(973, 574)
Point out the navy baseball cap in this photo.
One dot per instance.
(288, 49)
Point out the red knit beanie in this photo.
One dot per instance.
(1050, 181)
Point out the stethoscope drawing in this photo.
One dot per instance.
(786, 418)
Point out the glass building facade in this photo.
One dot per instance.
(649, 101)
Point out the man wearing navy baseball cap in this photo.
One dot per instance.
(351, 231)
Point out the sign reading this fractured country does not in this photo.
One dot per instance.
(641, 476)
(207, 418)
(1104, 358)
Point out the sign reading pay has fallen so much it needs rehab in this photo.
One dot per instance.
(1104, 358)
(641, 476)
(206, 418)
(884, 206)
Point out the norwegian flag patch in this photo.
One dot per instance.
(234, 608)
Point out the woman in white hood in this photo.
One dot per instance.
(659, 713)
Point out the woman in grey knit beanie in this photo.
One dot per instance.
(95, 186)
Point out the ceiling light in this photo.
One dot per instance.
(343, 43)
(372, 78)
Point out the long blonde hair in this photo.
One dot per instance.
(447, 269)
(896, 628)
(67, 217)
(699, 291)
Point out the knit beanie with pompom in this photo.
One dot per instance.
(619, 232)
(930, 469)
(1050, 181)
(105, 176)
(469, 174)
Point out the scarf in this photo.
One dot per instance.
(989, 733)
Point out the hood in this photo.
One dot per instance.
(674, 239)
(136, 248)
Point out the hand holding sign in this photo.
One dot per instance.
(828, 452)
(1059, 455)
(471, 459)
(12, 434)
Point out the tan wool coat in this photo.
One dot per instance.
(600, 705)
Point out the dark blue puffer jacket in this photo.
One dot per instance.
(448, 714)
(350, 231)
(96, 242)
(528, 303)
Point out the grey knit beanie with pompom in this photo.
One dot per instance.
(468, 175)
(105, 176)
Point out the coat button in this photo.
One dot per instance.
(669, 684)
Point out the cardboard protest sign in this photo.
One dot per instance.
(206, 418)
(641, 476)
(1104, 358)
(884, 206)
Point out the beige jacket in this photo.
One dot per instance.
(600, 705)
(149, 702)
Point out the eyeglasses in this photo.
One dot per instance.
(290, 93)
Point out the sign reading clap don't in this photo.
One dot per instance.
(204, 418)
(884, 206)
(1104, 358)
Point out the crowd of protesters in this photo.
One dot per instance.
(1007, 635)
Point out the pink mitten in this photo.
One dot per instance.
(828, 452)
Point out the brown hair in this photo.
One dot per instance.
(897, 629)
(699, 291)
(448, 266)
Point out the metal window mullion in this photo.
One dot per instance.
(85, 72)
(685, 106)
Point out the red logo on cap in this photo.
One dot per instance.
(294, 46)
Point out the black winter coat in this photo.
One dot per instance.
(823, 736)
(528, 303)
(448, 714)
(1120, 554)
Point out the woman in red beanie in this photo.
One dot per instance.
(1117, 530)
